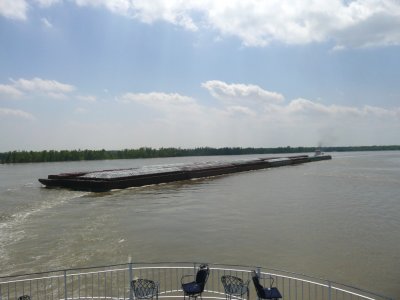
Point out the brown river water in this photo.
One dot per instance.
(337, 219)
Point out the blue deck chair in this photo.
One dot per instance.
(265, 293)
(194, 288)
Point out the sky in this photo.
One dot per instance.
(117, 74)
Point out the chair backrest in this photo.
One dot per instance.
(229, 279)
(231, 283)
(24, 297)
(144, 288)
(202, 275)
(257, 285)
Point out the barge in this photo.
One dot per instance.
(106, 180)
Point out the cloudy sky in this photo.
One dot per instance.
(115, 74)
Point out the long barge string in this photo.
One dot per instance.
(101, 181)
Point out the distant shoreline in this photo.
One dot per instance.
(12, 157)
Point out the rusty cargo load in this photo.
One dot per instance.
(101, 181)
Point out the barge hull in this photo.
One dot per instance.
(81, 182)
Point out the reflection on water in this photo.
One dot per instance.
(336, 219)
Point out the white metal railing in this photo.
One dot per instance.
(113, 282)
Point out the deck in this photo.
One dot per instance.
(113, 283)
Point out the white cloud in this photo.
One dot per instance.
(10, 90)
(267, 122)
(16, 113)
(18, 9)
(358, 23)
(55, 95)
(117, 6)
(255, 105)
(166, 109)
(47, 3)
(87, 98)
(157, 100)
(43, 85)
(304, 107)
(176, 12)
(13, 9)
(39, 87)
(46, 23)
(239, 92)
(381, 112)
(237, 111)
(370, 23)
(50, 88)
(159, 119)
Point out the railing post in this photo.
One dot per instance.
(65, 285)
(258, 270)
(329, 290)
(130, 281)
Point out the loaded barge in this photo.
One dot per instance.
(101, 181)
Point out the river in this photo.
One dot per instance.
(337, 219)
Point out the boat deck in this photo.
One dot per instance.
(113, 283)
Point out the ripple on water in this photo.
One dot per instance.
(14, 222)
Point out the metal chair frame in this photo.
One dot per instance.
(235, 287)
(145, 288)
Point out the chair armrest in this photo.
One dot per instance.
(157, 288)
(185, 278)
(270, 278)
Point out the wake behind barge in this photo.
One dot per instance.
(101, 181)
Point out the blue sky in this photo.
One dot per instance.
(94, 74)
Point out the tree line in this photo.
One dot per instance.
(148, 152)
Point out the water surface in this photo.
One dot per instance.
(337, 219)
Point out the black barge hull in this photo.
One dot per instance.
(83, 181)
